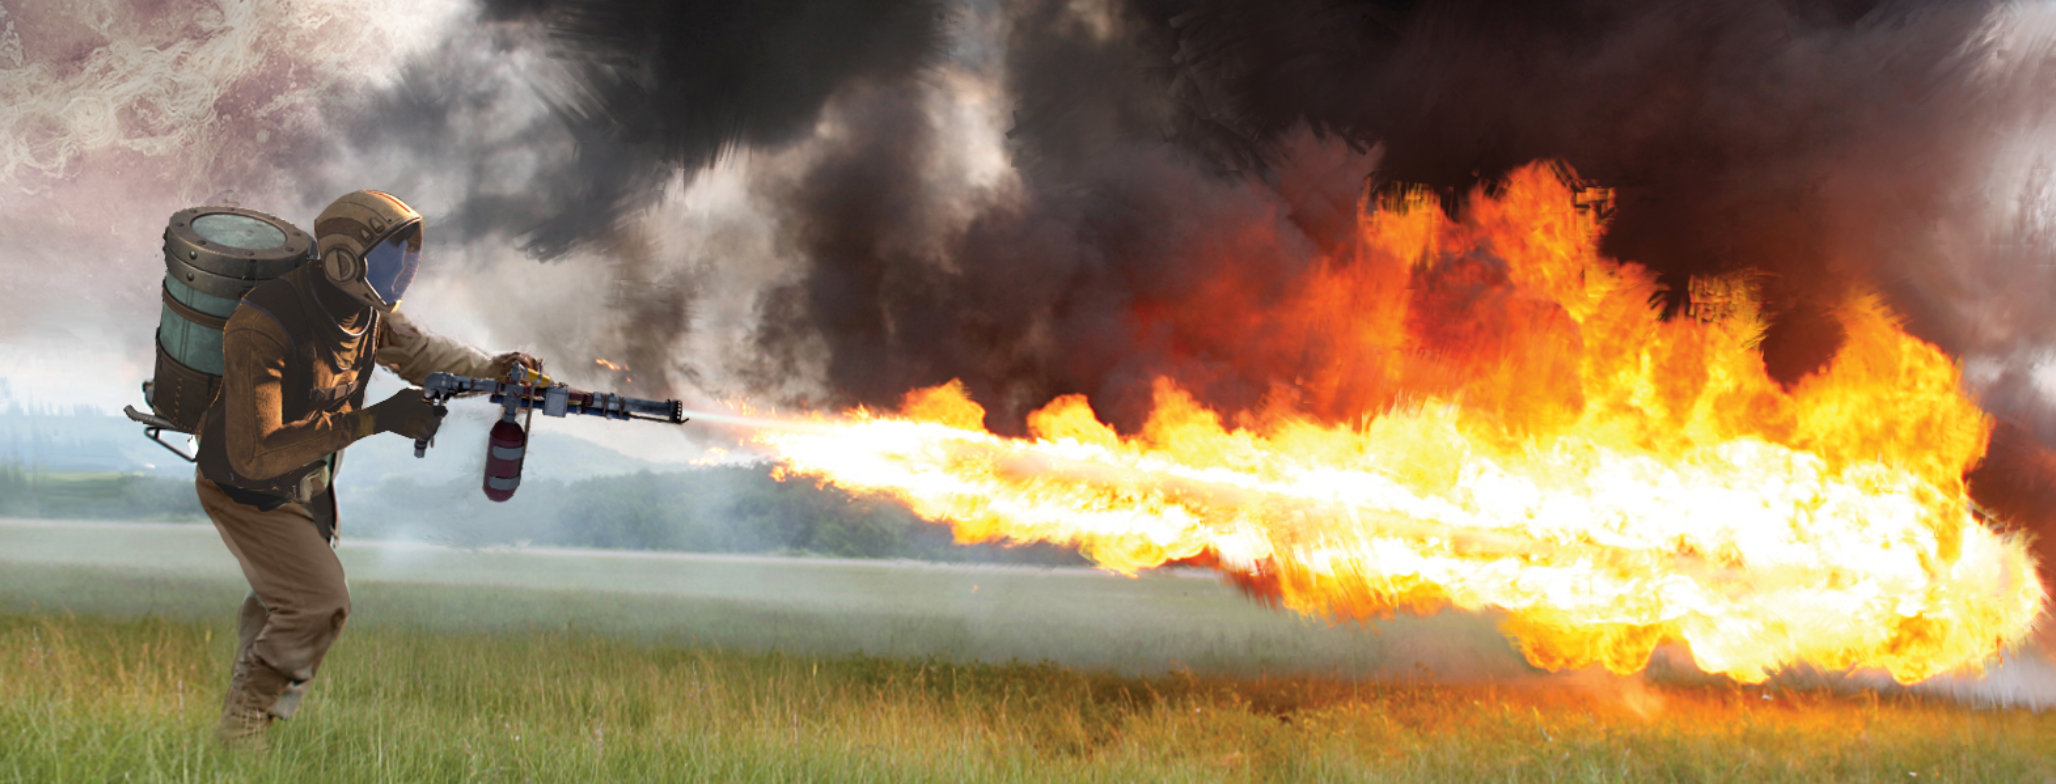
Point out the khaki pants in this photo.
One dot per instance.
(297, 602)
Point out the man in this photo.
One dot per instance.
(297, 352)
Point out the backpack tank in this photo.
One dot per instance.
(212, 257)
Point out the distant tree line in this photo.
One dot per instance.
(25, 492)
(716, 509)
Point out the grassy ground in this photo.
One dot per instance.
(111, 667)
(85, 699)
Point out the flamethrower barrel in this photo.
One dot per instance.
(528, 390)
(600, 404)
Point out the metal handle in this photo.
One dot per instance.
(421, 445)
(154, 426)
(152, 433)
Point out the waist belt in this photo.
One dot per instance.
(311, 486)
(264, 502)
(323, 514)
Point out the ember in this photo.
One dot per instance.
(1525, 432)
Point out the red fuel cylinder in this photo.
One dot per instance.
(503, 453)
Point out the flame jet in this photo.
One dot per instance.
(1534, 438)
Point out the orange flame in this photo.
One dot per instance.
(1534, 438)
(609, 365)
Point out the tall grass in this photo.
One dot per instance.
(86, 698)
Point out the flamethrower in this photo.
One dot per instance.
(528, 390)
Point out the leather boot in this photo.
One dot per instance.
(246, 711)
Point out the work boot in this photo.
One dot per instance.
(246, 711)
(243, 727)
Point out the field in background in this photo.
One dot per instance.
(100, 495)
(1071, 616)
(705, 509)
(572, 666)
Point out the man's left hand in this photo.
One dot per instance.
(504, 363)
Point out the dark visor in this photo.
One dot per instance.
(389, 267)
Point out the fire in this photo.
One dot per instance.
(1529, 435)
(610, 365)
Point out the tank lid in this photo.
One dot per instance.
(238, 231)
(226, 251)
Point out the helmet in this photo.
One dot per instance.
(369, 244)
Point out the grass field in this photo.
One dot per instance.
(466, 666)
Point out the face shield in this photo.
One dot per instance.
(389, 265)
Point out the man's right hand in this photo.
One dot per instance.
(406, 413)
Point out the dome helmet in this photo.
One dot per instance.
(368, 244)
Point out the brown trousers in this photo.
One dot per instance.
(297, 602)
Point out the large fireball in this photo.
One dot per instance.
(1528, 434)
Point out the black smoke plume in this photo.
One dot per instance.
(1818, 142)
(1739, 134)
(652, 88)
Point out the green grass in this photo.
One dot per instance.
(480, 666)
(96, 699)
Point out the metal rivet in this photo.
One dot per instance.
(192, 254)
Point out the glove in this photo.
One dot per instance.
(504, 364)
(406, 413)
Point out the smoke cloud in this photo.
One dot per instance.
(827, 204)
(1830, 146)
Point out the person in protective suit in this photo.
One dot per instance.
(297, 352)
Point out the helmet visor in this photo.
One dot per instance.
(389, 267)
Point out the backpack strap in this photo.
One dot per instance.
(192, 314)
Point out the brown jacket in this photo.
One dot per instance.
(294, 386)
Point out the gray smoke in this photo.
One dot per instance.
(1032, 290)
(577, 117)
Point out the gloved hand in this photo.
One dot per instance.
(504, 363)
(406, 413)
